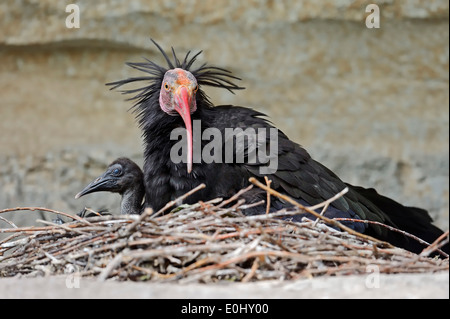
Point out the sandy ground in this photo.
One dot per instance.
(384, 286)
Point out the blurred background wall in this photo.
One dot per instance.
(370, 104)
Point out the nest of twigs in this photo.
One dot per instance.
(205, 242)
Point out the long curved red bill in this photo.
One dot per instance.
(183, 108)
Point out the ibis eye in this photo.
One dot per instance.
(196, 88)
(166, 86)
(117, 172)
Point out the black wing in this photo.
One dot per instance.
(297, 174)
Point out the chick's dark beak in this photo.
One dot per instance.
(105, 182)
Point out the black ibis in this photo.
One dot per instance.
(173, 97)
(122, 176)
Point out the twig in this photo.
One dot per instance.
(73, 229)
(178, 200)
(110, 267)
(75, 217)
(405, 233)
(439, 242)
(324, 209)
(31, 229)
(147, 212)
(235, 196)
(252, 271)
(8, 222)
(330, 200)
(247, 206)
(268, 182)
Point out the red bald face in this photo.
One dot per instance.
(175, 82)
(177, 98)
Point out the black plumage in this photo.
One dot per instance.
(173, 97)
(122, 176)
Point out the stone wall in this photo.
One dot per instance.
(371, 104)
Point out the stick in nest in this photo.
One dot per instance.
(178, 200)
(438, 243)
(43, 209)
(8, 222)
(268, 182)
(420, 240)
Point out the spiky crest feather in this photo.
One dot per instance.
(205, 75)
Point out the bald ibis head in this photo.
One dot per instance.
(177, 98)
(122, 176)
(176, 89)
